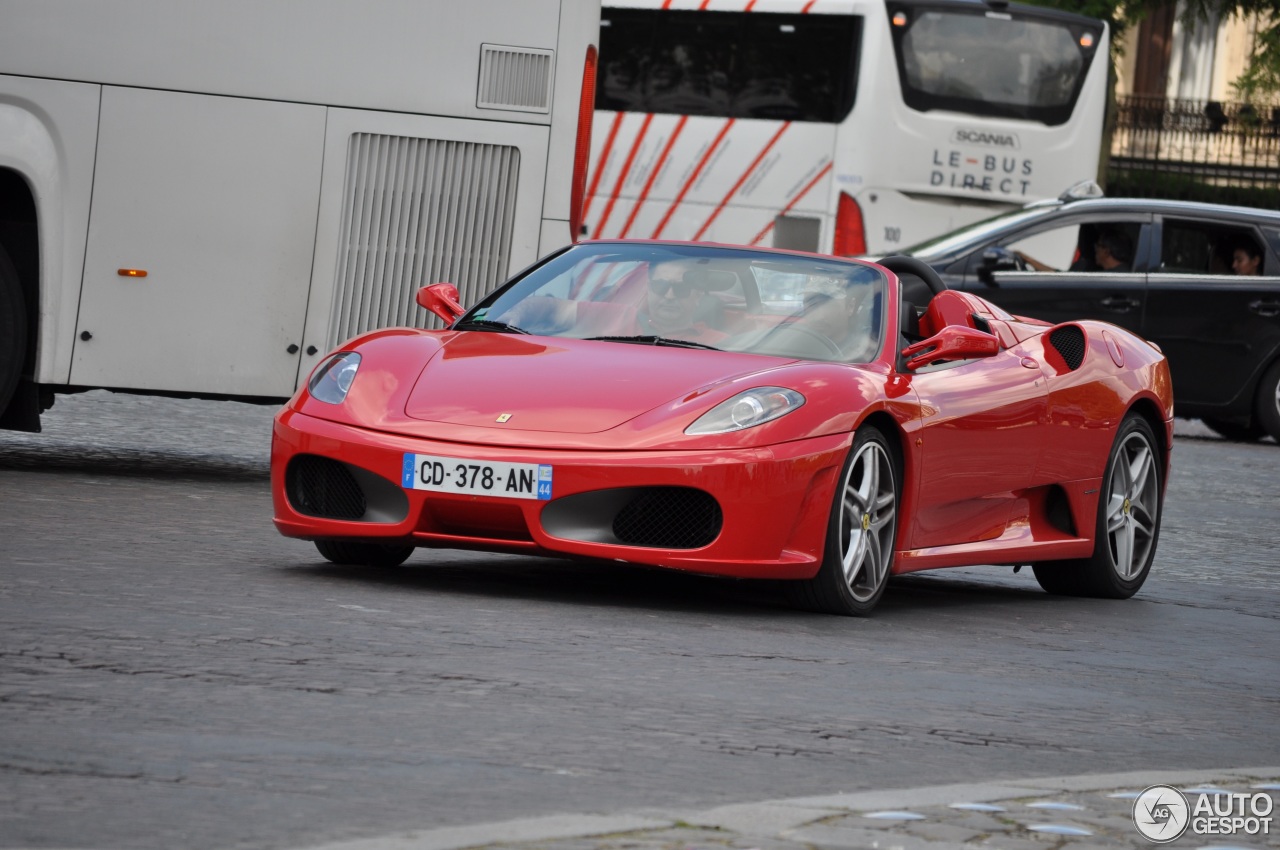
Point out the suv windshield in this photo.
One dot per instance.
(976, 234)
(1012, 63)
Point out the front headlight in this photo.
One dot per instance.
(332, 379)
(747, 410)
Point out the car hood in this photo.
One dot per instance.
(568, 386)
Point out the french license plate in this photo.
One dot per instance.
(475, 477)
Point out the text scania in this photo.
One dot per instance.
(978, 137)
(1007, 175)
(1228, 814)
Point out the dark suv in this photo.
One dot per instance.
(1202, 281)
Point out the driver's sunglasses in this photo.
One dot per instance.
(679, 289)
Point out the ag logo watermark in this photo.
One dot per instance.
(1162, 813)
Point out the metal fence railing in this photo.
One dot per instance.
(1214, 142)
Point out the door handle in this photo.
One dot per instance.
(1119, 304)
(1269, 309)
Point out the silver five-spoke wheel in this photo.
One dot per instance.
(1132, 506)
(867, 523)
(861, 533)
(1128, 523)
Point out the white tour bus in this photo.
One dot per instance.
(204, 198)
(840, 126)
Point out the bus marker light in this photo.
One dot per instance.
(1086, 41)
(899, 19)
(132, 272)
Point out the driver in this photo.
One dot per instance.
(834, 308)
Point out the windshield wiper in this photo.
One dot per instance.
(488, 325)
(655, 340)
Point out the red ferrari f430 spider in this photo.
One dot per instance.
(737, 412)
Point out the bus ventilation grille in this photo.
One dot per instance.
(1069, 341)
(420, 211)
(516, 78)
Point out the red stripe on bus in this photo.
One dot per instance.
(653, 175)
(792, 203)
(688, 184)
(743, 179)
(604, 157)
(808, 6)
(622, 175)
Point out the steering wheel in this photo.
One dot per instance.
(803, 337)
(901, 265)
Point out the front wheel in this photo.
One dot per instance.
(349, 552)
(13, 330)
(1268, 410)
(861, 534)
(1128, 524)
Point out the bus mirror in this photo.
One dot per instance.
(441, 299)
(954, 342)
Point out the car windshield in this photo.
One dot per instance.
(697, 297)
(975, 234)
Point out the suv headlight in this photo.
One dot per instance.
(332, 379)
(747, 410)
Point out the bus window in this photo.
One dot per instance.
(983, 63)
(789, 67)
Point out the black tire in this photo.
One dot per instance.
(13, 330)
(1267, 411)
(352, 553)
(1128, 525)
(1235, 431)
(861, 531)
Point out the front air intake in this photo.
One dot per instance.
(669, 518)
(1068, 340)
(320, 487)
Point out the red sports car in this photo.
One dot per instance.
(738, 412)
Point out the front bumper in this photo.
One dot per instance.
(770, 505)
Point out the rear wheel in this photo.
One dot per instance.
(1128, 524)
(861, 533)
(1235, 431)
(1268, 410)
(349, 552)
(13, 330)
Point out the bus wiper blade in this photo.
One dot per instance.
(655, 340)
(488, 325)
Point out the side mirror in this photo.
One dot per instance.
(954, 342)
(997, 259)
(441, 299)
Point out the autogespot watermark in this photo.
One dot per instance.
(1162, 813)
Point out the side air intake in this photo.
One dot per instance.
(1069, 342)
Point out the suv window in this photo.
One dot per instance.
(1074, 247)
(1198, 247)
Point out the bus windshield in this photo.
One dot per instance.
(1017, 64)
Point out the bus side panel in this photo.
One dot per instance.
(47, 132)
(713, 179)
(410, 200)
(580, 26)
(375, 54)
(215, 199)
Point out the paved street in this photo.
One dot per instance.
(175, 674)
